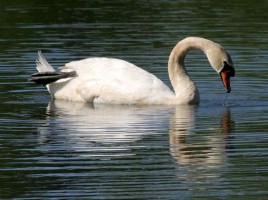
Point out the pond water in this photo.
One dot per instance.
(67, 150)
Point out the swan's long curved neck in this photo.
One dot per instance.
(185, 89)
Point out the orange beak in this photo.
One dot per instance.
(226, 73)
(225, 77)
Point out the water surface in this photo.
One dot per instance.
(61, 149)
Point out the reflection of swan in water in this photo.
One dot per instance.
(199, 149)
(204, 148)
(103, 129)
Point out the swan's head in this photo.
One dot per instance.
(222, 63)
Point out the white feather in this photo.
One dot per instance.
(42, 65)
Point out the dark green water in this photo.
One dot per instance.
(66, 150)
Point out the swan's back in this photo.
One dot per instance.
(108, 69)
(109, 80)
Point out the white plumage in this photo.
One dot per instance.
(109, 80)
(114, 81)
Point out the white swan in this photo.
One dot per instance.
(109, 80)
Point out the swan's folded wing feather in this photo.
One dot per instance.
(118, 80)
(110, 70)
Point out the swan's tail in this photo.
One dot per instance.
(42, 65)
(46, 73)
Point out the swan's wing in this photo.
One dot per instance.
(110, 70)
(105, 68)
(116, 79)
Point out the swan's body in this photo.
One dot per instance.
(109, 80)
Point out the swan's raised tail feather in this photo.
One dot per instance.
(46, 73)
(42, 65)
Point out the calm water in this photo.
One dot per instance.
(61, 150)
